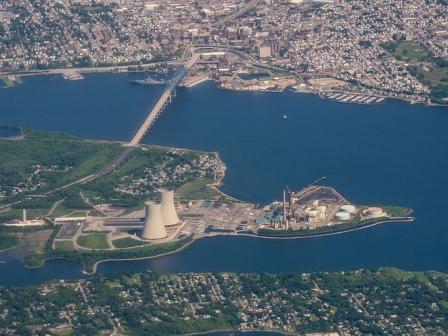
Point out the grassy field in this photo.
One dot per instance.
(97, 241)
(410, 51)
(64, 245)
(127, 242)
(70, 157)
(400, 274)
(437, 79)
(18, 213)
(396, 211)
(197, 189)
(433, 72)
(435, 75)
(64, 159)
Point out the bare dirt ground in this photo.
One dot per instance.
(34, 242)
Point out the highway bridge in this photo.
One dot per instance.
(251, 4)
(163, 101)
(150, 119)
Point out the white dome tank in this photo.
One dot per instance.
(351, 209)
(374, 212)
(343, 216)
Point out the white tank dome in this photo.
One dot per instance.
(373, 212)
(348, 208)
(343, 216)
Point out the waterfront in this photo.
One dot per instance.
(390, 153)
(9, 133)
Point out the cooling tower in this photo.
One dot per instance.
(154, 228)
(169, 214)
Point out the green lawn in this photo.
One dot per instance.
(396, 211)
(435, 75)
(77, 213)
(64, 245)
(410, 51)
(197, 189)
(437, 79)
(400, 274)
(60, 210)
(127, 242)
(18, 214)
(94, 241)
(75, 158)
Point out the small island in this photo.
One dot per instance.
(54, 202)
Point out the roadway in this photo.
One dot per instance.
(233, 16)
(163, 100)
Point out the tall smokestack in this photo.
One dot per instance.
(154, 228)
(169, 214)
(284, 208)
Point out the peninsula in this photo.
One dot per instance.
(54, 199)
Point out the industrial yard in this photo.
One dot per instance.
(314, 209)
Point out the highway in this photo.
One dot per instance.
(249, 6)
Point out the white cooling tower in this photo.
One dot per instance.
(154, 228)
(169, 214)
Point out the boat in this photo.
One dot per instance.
(148, 81)
(285, 116)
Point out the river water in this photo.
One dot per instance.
(391, 153)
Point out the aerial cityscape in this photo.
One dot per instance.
(223, 167)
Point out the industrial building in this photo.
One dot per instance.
(312, 207)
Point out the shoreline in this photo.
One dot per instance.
(148, 66)
(10, 248)
(366, 226)
(97, 263)
(248, 332)
(188, 244)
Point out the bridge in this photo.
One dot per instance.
(251, 4)
(163, 101)
(150, 119)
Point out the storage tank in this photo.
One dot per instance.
(154, 228)
(351, 209)
(374, 212)
(169, 214)
(343, 216)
